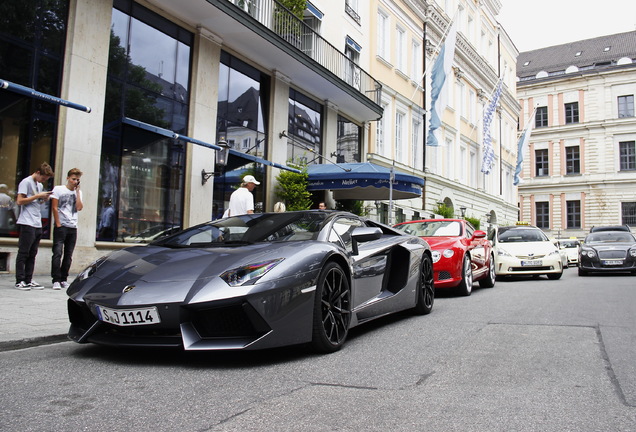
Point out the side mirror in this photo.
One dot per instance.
(479, 234)
(365, 234)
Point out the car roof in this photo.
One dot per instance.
(610, 228)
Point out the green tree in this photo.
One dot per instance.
(292, 189)
(352, 206)
(474, 222)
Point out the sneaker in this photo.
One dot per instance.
(57, 286)
(22, 286)
(34, 285)
(65, 284)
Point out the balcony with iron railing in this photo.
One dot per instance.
(295, 32)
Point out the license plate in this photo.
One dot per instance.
(613, 262)
(128, 317)
(531, 263)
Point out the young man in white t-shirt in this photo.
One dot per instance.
(66, 201)
(30, 196)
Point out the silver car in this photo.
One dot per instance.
(253, 281)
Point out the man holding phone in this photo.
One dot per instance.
(66, 201)
(31, 195)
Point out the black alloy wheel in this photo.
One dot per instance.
(332, 309)
(425, 288)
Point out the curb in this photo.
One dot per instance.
(32, 342)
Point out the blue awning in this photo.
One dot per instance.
(363, 181)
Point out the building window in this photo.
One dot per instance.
(352, 70)
(541, 163)
(400, 49)
(305, 129)
(399, 136)
(571, 112)
(142, 173)
(573, 214)
(626, 106)
(572, 160)
(541, 117)
(416, 65)
(351, 7)
(32, 39)
(416, 126)
(627, 155)
(628, 213)
(379, 133)
(383, 35)
(542, 209)
(348, 142)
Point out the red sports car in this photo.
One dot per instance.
(461, 254)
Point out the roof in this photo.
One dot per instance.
(600, 52)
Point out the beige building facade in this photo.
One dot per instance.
(579, 168)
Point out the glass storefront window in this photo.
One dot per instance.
(349, 141)
(241, 121)
(304, 128)
(142, 173)
(32, 37)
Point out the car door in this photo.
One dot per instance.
(477, 249)
(368, 266)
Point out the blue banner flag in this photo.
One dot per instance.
(523, 141)
(441, 70)
(489, 151)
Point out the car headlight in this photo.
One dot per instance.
(91, 269)
(556, 252)
(632, 253)
(248, 274)
(436, 255)
(448, 253)
(589, 253)
(503, 252)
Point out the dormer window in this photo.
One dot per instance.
(578, 53)
(606, 49)
(527, 63)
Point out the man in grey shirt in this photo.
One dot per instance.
(31, 195)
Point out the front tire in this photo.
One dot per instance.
(582, 272)
(555, 276)
(332, 309)
(465, 287)
(425, 288)
(489, 281)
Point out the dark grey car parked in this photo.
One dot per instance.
(253, 281)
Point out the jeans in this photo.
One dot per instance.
(28, 244)
(64, 239)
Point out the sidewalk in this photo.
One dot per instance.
(29, 318)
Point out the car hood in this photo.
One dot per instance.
(441, 243)
(154, 274)
(606, 247)
(528, 248)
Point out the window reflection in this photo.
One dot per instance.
(241, 120)
(348, 142)
(141, 175)
(304, 129)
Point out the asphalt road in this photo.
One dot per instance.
(526, 355)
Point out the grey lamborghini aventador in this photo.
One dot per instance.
(251, 282)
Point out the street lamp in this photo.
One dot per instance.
(221, 161)
(463, 210)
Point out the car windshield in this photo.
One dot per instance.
(432, 228)
(610, 237)
(569, 243)
(248, 229)
(512, 235)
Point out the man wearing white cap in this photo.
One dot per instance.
(242, 200)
